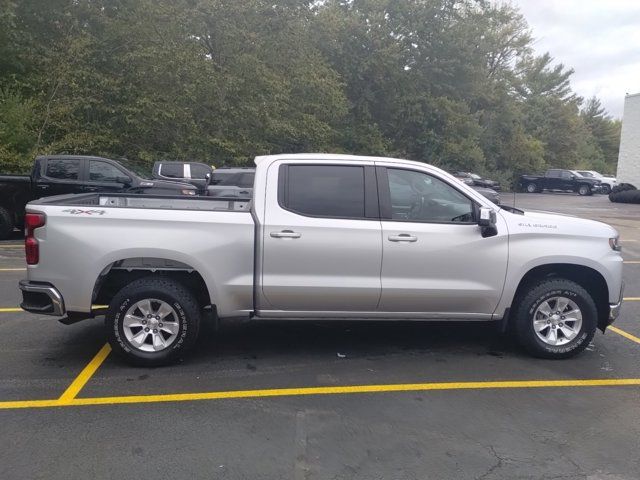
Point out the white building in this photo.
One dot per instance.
(629, 156)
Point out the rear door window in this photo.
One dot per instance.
(325, 190)
(63, 169)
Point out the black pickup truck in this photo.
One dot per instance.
(61, 174)
(558, 179)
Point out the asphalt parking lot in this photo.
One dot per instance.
(324, 400)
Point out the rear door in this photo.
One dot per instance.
(322, 249)
(436, 262)
(59, 176)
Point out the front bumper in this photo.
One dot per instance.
(41, 298)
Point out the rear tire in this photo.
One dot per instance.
(532, 188)
(584, 190)
(568, 329)
(606, 189)
(153, 321)
(6, 223)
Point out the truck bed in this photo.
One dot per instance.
(7, 178)
(159, 202)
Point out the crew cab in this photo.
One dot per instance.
(562, 180)
(327, 237)
(61, 174)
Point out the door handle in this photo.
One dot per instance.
(286, 234)
(90, 189)
(403, 237)
(43, 186)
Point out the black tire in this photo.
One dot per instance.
(606, 189)
(533, 297)
(584, 190)
(6, 223)
(187, 315)
(532, 188)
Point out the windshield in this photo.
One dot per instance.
(475, 176)
(586, 174)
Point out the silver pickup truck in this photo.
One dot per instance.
(324, 237)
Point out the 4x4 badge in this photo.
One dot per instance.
(78, 211)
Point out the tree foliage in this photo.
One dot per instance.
(449, 82)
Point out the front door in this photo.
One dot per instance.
(435, 259)
(104, 177)
(322, 249)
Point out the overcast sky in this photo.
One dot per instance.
(599, 39)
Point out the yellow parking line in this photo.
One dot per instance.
(348, 389)
(633, 338)
(631, 261)
(85, 375)
(11, 246)
(631, 299)
(12, 269)
(10, 310)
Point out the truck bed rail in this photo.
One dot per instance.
(161, 202)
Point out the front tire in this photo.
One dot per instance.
(584, 190)
(153, 321)
(606, 189)
(555, 319)
(532, 188)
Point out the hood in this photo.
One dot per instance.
(546, 222)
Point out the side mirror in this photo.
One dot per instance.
(207, 178)
(487, 221)
(124, 180)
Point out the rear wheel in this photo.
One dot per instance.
(532, 188)
(153, 321)
(6, 223)
(584, 190)
(606, 189)
(555, 318)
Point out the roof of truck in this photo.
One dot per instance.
(331, 156)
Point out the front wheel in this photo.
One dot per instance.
(584, 190)
(153, 321)
(532, 188)
(606, 189)
(555, 319)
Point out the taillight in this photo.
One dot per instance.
(31, 248)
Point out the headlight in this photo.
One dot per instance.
(188, 192)
(614, 243)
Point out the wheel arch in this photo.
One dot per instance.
(121, 272)
(587, 277)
